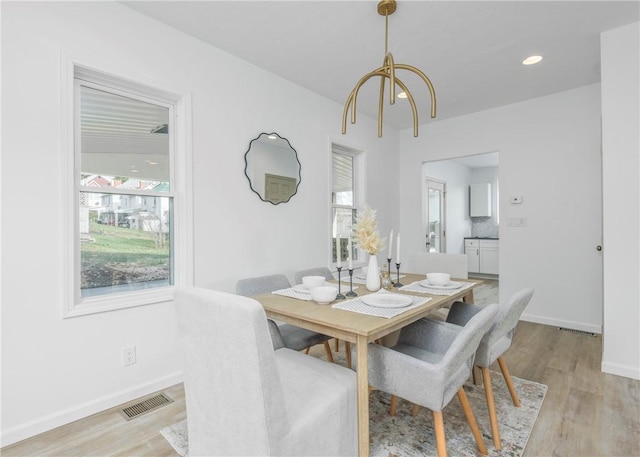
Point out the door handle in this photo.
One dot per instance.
(598, 248)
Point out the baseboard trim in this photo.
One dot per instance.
(620, 370)
(66, 416)
(584, 326)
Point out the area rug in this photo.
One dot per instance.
(406, 436)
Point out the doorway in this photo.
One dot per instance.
(435, 211)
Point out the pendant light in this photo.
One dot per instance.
(388, 71)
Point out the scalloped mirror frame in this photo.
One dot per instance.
(278, 169)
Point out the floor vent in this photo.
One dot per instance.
(145, 406)
(581, 332)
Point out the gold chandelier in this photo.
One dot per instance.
(388, 70)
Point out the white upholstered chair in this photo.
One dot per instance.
(493, 345)
(430, 364)
(433, 262)
(292, 337)
(245, 398)
(436, 262)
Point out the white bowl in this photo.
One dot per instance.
(313, 281)
(323, 294)
(438, 279)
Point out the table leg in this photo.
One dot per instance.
(477, 375)
(468, 298)
(362, 366)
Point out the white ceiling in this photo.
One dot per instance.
(471, 50)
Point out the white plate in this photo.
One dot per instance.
(387, 300)
(449, 286)
(360, 276)
(301, 288)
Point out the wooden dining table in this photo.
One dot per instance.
(358, 328)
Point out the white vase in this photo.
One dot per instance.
(373, 274)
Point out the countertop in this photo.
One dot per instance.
(481, 238)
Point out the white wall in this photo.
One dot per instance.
(550, 154)
(457, 177)
(620, 51)
(56, 370)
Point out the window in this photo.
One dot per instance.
(127, 246)
(345, 198)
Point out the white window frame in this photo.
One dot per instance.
(181, 192)
(358, 195)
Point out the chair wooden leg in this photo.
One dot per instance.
(337, 344)
(466, 407)
(327, 349)
(347, 348)
(491, 406)
(475, 373)
(508, 381)
(438, 425)
(415, 409)
(394, 405)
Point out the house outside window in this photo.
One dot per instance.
(125, 247)
(345, 198)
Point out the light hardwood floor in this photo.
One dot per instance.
(585, 412)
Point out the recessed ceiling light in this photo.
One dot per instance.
(402, 95)
(531, 60)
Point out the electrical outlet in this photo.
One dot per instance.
(128, 356)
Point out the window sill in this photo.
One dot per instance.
(105, 303)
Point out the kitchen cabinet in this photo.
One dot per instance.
(480, 200)
(482, 255)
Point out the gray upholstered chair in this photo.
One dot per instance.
(324, 271)
(292, 337)
(430, 364)
(318, 271)
(246, 398)
(493, 345)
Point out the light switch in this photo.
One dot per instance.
(515, 199)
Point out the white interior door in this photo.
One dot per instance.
(435, 211)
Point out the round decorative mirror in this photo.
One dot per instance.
(272, 168)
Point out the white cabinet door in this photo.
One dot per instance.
(489, 261)
(473, 257)
(480, 200)
(482, 256)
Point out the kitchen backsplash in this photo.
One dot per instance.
(484, 227)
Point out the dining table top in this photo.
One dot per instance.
(346, 324)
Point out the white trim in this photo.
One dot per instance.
(359, 171)
(181, 192)
(628, 371)
(585, 327)
(97, 405)
(443, 211)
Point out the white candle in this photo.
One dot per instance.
(338, 253)
(398, 249)
(349, 254)
(390, 243)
